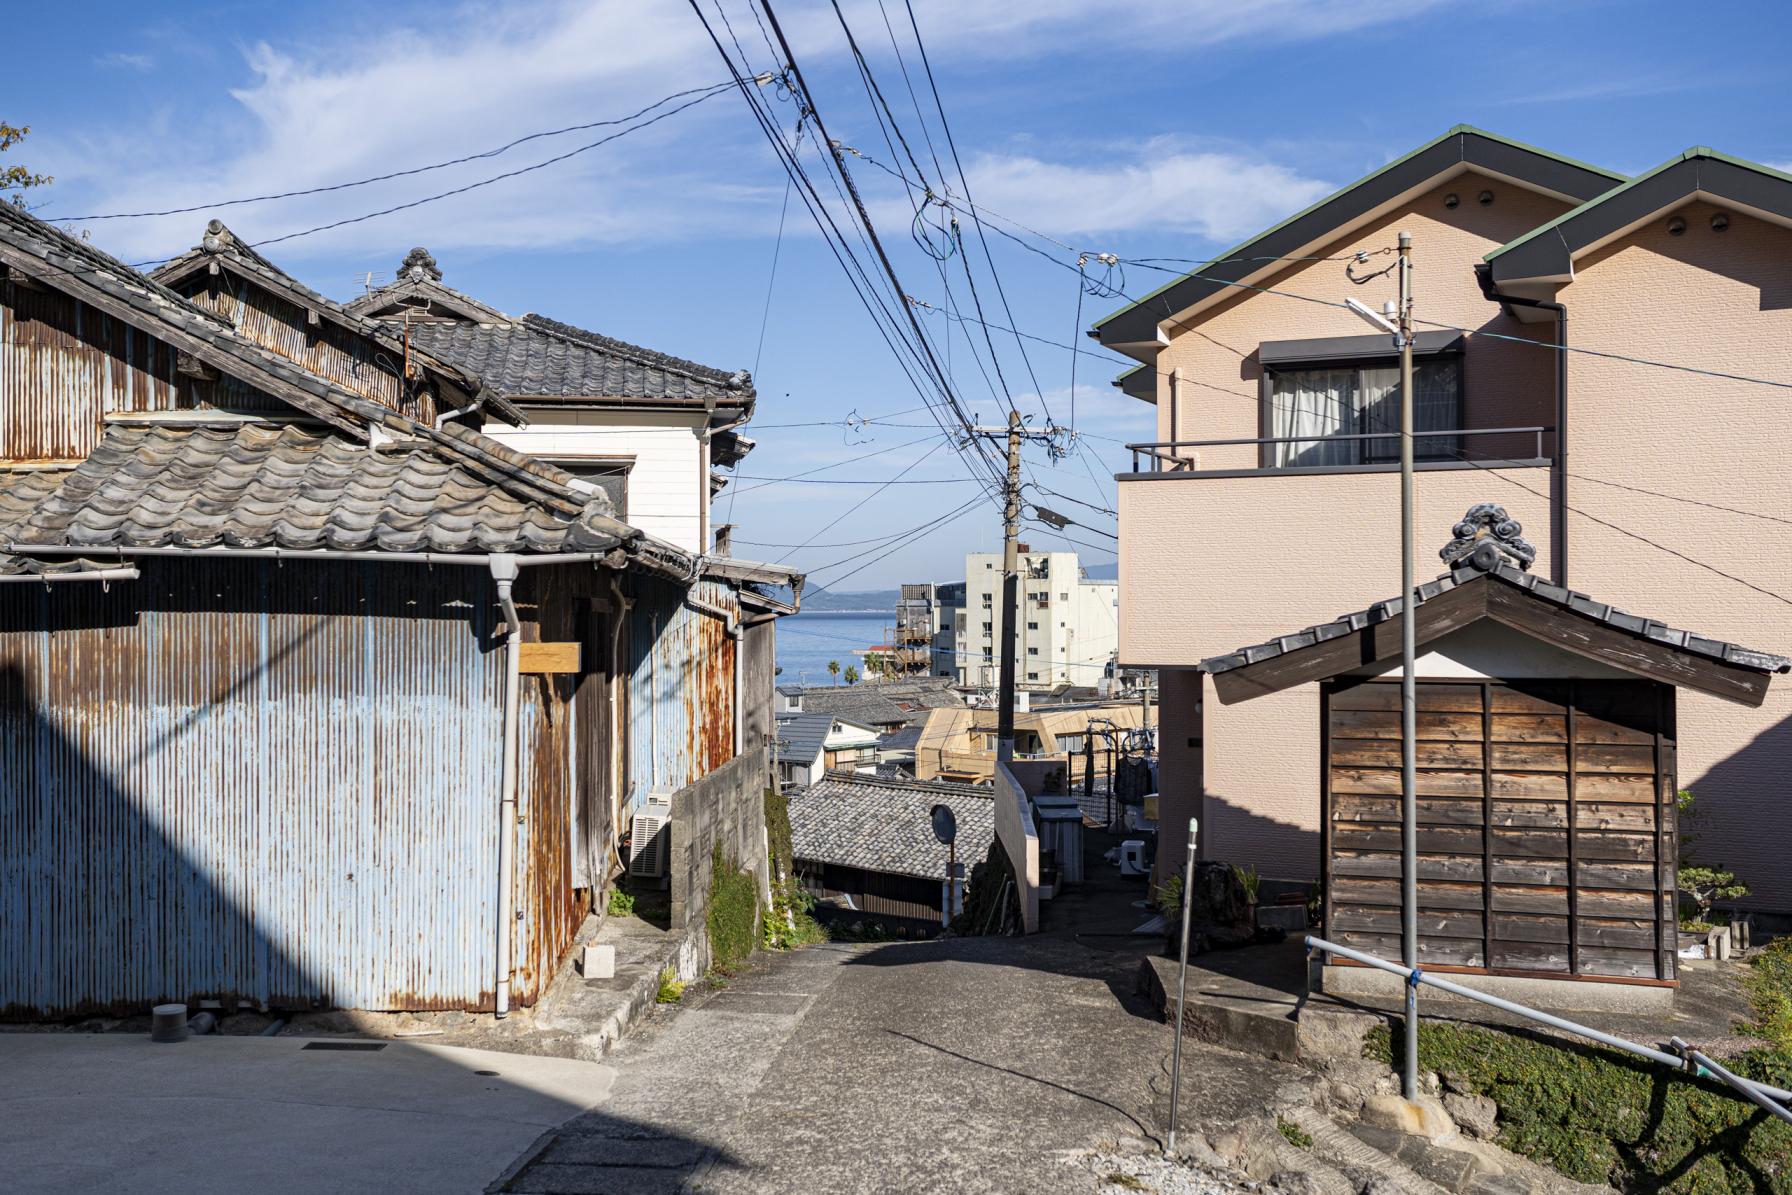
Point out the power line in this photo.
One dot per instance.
(851, 460)
(712, 89)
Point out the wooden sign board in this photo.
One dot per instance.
(548, 657)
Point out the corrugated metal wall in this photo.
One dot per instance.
(273, 782)
(681, 685)
(328, 350)
(63, 366)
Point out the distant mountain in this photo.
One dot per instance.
(1103, 572)
(868, 599)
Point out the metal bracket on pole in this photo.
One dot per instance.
(1188, 900)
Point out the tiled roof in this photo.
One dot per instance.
(886, 825)
(856, 704)
(800, 737)
(1488, 546)
(260, 485)
(542, 358)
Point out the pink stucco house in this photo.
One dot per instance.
(1268, 504)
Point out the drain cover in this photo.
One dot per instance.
(343, 1045)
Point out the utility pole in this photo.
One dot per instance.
(1409, 819)
(1010, 592)
(1014, 432)
(1396, 319)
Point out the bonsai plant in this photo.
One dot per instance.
(1700, 885)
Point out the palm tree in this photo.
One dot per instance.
(834, 670)
(852, 675)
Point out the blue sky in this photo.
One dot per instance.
(1152, 130)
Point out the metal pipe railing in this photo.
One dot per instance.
(1165, 450)
(1704, 1066)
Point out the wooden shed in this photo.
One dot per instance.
(1545, 750)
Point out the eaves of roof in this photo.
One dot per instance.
(1549, 250)
(1462, 146)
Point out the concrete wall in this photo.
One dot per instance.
(1714, 300)
(726, 807)
(1020, 842)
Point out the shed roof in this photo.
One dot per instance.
(886, 825)
(1489, 551)
(800, 737)
(862, 704)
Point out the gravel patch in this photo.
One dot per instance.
(1166, 1176)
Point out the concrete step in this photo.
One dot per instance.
(1227, 1010)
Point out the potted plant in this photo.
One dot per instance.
(1252, 883)
(1700, 885)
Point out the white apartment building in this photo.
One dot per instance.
(1068, 626)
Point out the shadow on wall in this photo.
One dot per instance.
(1746, 812)
(1234, 834)
(99, 912)
(200, 800)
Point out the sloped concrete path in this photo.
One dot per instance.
(107, 1112)
(969, 1065)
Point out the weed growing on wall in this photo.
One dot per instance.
(733, 916)
(1599, 1116)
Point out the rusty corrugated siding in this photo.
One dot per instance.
(244, 780)
(64, 366)
(327, 350)
(681, 685)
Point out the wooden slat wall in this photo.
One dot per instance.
(1504, 772)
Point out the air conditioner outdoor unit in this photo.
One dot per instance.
(650, 839)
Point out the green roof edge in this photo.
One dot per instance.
(1696, 152)
(1453, 131)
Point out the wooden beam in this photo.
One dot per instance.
(1553, 624)
(548, 657)
(1447, 612)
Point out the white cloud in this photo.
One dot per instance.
(375, 98)
(119, 60)
(1217, 194)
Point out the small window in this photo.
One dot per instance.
(609, 476)
(1063, 597)
(1313, 406)
(1032, 676)
(1032, 626)
(1032, 651)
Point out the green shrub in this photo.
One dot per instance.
(1599, 1116)
(622, 904)
(1769, 984)
(671, 989)
(733, 916)
(1296, 1135)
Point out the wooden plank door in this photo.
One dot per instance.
(1545, 831)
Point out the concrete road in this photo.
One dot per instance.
(115, 1112)
(970, 1065)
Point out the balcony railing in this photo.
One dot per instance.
(1169, 456)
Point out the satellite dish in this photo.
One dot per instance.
(945, 824)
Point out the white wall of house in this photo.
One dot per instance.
(668, 477)
(1068, 626)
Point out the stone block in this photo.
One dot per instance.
(1477, 1115)
(1424, 1117)
(1291, 919)
(598, 961)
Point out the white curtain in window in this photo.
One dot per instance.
(1309, 406)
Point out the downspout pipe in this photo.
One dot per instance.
(504, 572)
(1558, 489)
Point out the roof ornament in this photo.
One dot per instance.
(1486, 537)
(217, 237)
(418, 265)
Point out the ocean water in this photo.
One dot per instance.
(807, 641)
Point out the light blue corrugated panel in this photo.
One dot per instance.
(238, 780)
(681, 686)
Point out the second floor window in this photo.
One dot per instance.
(1315, 406)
